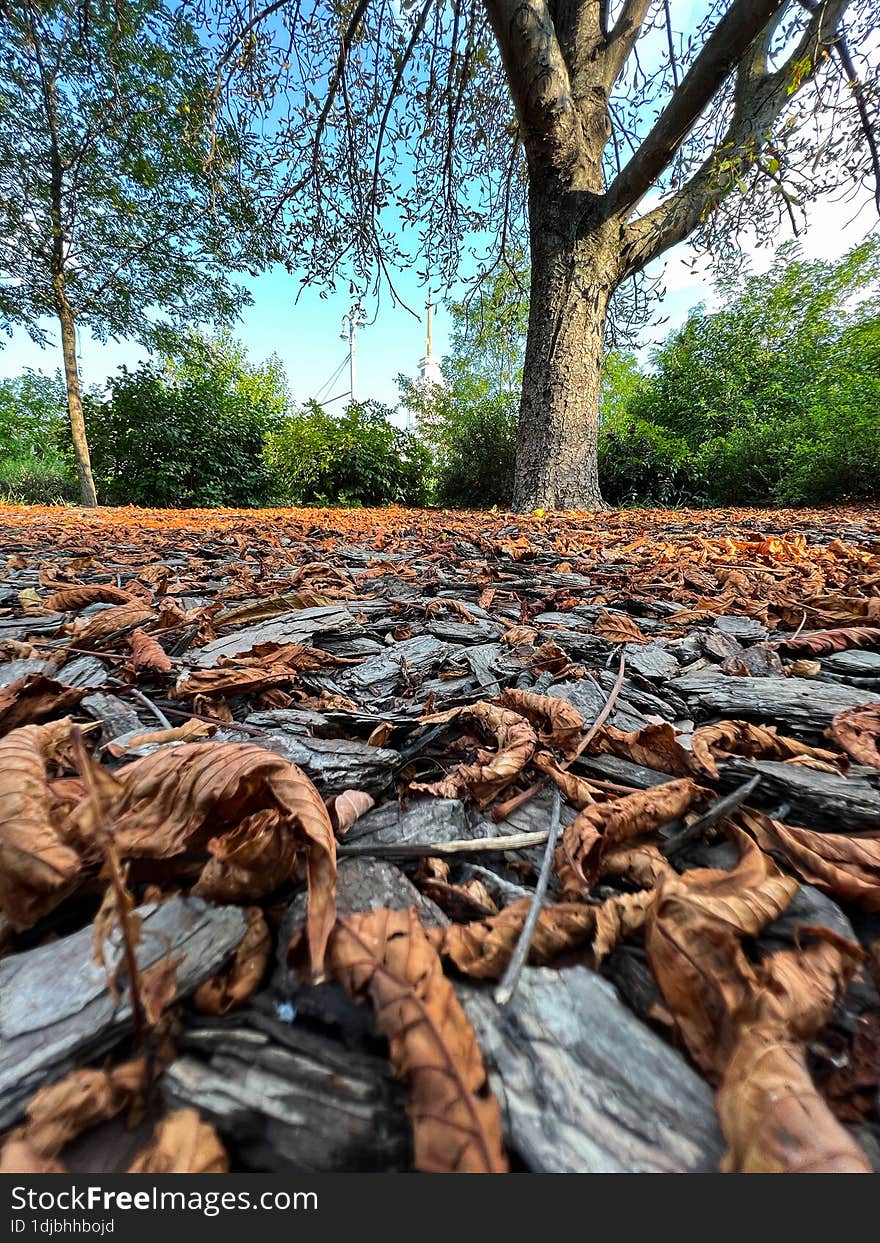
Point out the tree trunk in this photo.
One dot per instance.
(573, 267)
(74, 404)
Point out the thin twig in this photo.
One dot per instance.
(510, 979)
(463, 845)
(719, 811)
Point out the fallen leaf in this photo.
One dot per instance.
(558, 723)
(837, 863)
(618, 628)
(33, 698)
(222, 993)
(182, 1144)
(385, 955)
(858, 732)
(72, 599)
(822, 642)
(516, 741)
(37, 868)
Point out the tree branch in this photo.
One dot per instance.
(539, 83)
(723, 50)
(759, 98)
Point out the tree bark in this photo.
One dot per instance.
(573, 277)
(74, 403)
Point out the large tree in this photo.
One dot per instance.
(619, 133)
(123, 211)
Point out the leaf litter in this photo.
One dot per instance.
(324, 718)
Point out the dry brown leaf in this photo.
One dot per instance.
(653, 746)
(72, 599)
(618, 628)
(803, 669)
(17, 1157)
(234, 987)
(825, 641)
(772, 1116)
(558, 723)
(182, 1144)
(385, 955)
(93, 631)
(257, 809)
(835, 862)
(607, 825)
(755, 741)
(83, 1098)
(274, 606)
(147, 653)
(37, 867)
(489, 773)
(33, 698)
(858, 732)
(693, 941)
(579, 791)
(347, 808)
(483, 948)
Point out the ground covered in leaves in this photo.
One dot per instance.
(287, 797)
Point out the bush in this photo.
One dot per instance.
(357, 458)
(479, 454)
(44, 480)
(641, 465)
(190, 433)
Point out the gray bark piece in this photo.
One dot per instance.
(743, 628)
(797, 703)
(425, 820)
(818, 800)
(56, 1011)
(336, 764)
(651, 660)
(493, 664)
(584, 1087)
(853, 664)
(21, 627)
(117, 717)
(380, 676)
(590, 699)
(300, 626)
(463, 632)
(84, 671)
(307, 1108)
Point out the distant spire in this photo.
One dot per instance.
(429, 367)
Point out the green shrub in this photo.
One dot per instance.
(639, 464)
(479, 454)
(37, 480)
(189, 433)
(356, 458)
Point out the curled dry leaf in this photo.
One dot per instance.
(835, 862)
(182, 1144)
(33, 698)
(607, 825)
(822, 642)
(693, 942)
(618, 628)
(489, 773)
(17, 1157)
(858, 732)
(558, 723)
(386, 956)
(80, 597)
(147, 653)
(754, 741)
(579, 791)
(653, 746)
(93, 631)
(37, 866)
(173, 801)
(234, 987)
(772, 1116)
(483, 948)
(83, 1098)
(347, 808)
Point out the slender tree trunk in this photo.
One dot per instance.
(573, 276)
(74, 402)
